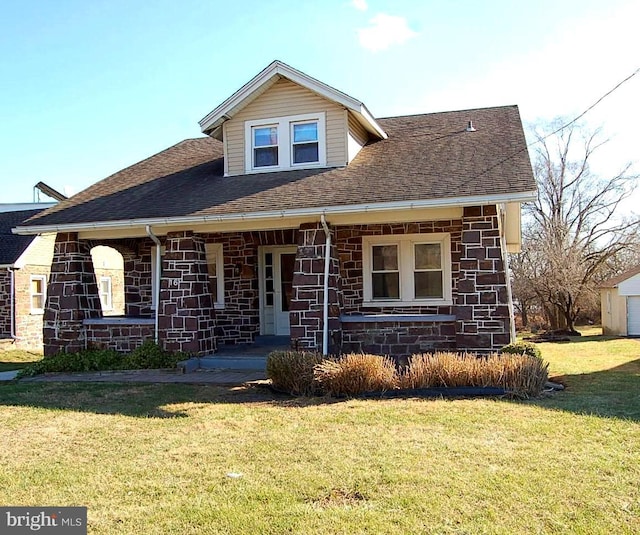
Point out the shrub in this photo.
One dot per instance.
(355, 374)
(292, 371)
(519, 374)
(151, 356)
(522, 348)
(148, 355)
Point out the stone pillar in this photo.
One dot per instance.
(186, 315)
(482, 303)
(72, 295)
(306, 316)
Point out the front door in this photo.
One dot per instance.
(276, 288)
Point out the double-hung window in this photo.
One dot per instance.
(106, 298)
(38, 291)
(407, 269)
(215, 269)
(276, 144)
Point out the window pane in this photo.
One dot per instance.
(307, 152)
(36, 302)
(386, 285)
(213, 288)
(265, 157)
(385, 257)
(428, 256)
(305, 132)
(428, 284)
(36, 286)
(265, 136)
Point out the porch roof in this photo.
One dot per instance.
(426, 157)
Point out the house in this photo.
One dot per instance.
(620, 304)
(301, 215)
(25, 266)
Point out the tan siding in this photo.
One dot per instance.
(282, 99)
(357, 137)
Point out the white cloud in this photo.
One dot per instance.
(360, 5)
(385, 30)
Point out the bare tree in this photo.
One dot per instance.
(574, 227)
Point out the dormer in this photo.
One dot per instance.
(284, 119)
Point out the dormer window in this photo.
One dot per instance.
(278, 144)
(265, 146)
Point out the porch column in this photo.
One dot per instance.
(306, 316)
(482, 305)
(186, 315)
(72, 295)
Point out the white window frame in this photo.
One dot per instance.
(285, 142)
(108, 304)
(406, 264)
(214, 250)
(43, 294)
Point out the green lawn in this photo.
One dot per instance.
(155, 458)
(16, 359)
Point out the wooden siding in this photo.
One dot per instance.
(282, 99)
(357, 137)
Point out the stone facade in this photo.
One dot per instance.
(5, 303)
(477, 318)
(186, 313)
(123, 336)
(72, 296)
(307, 304)
(482, 300)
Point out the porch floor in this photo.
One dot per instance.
(243, 356)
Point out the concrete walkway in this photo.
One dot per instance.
(217, 377)
(8, 376)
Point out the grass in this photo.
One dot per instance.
(16, 359)
(155, 458)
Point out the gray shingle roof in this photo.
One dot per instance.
(427, 156)
(12, 245)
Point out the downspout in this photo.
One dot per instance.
(325, 304)
(507, 273)
(156, 292)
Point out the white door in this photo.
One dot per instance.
(633, 315)
(276, 288)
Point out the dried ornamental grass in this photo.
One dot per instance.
(520, 375)
(355, 374)
(292, 371)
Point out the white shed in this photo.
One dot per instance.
(620, 304)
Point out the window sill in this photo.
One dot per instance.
(259, 170)
(397, 318)
(37, 312)
(422, 302)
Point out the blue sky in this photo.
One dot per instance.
(90, 87)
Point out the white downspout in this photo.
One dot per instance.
(325, 304)
(156, 291)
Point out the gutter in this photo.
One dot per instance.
(325, 303)
(157, 282)
(312, 213)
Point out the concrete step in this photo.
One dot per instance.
(233, 363)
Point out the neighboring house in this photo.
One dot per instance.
(25, 266)
(620, 304)
(301, 215)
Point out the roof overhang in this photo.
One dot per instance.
(211, 124)
(262, 219)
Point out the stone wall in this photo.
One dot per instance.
(5, 303)
(398, 338)
(482, 301)
(72, 295)
(123, 336)
(186, 313)
(349, 243)
(239, 321)
(307, 304)
(29, 324)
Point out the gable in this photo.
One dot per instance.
(285, 99)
